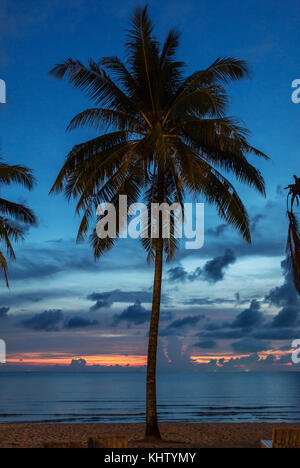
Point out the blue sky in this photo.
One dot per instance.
(55, 281)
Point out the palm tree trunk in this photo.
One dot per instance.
(152, 429)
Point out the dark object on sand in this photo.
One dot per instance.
(283, 438)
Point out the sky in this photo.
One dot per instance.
(228, 306)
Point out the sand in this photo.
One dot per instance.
(175, 435)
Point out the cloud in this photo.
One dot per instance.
(100, 305)
(54, 321)
(135, 314)
(78, 364)
(215, 331)
(110, 297)
(207, 301)
(34, 296)
(255, 220)
(287, 317)
(3, 312)
(250, 345)
(214, 270)
(45, 262)
(253, 324)
(206, 344)
(49, 321)
(183, 323)
(103, 301)
(173, 356)
(180, 274)
(249, 318)
(277, 334)
(81, 322)
(218, 231)
(285, 296)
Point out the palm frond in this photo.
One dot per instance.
(16, 174)
(166, 134)
(96, 84)
(17, 211)
(3, 266)
(293, 248)
(101, 118)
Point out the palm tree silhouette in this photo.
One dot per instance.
(167, 135)
(13, 216)
(293, 242)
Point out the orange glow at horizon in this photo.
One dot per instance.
(227, 357)
(106, 360)
(39, 359)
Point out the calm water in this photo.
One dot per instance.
(201, 397)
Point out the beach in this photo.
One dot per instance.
(175, 435)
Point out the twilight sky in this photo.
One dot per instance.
(226, 306)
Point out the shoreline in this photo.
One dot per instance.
(175, 435)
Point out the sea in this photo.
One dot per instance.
(42, 397)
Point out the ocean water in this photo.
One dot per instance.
(120, 397)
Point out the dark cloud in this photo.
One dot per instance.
(110, 297)
(218, 231)
(219, 333)
(249, 318)
(207, 301)
(177, 274)
(78, 364)
(214, 270)
(279, 334)
(135, 314)
(186, 321)
(81, 322)
(287, 317)
(285, 296)
(253, 324)
(49, 321)
(3, 312)
(179, 324)
(100, 305)
(34, 296)
(206, 344)
(255, 220)
(54, 321)
(47, 262)
(178, 357)
(180, 274)
(103, 301)
(250, 345)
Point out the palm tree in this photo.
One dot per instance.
(166, 135)
(293, 242)
(13, 216)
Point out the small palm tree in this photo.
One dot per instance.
(293, 242)
(166, 135)
(13, 216)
